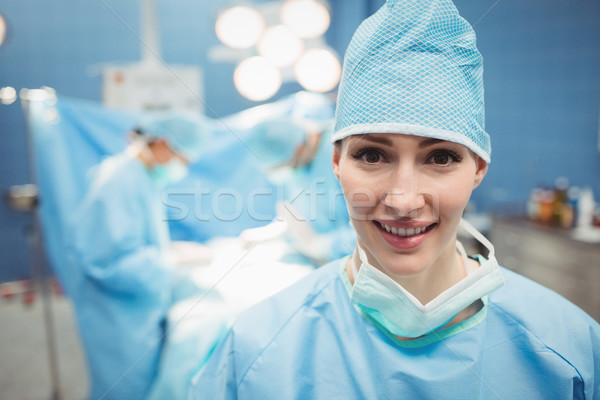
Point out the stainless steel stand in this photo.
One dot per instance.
(25, 198)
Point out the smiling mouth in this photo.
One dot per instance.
(404, 232)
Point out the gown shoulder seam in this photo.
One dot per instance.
(541, 342)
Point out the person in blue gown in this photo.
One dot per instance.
(123, 271)
(408, 314)
(294, 151)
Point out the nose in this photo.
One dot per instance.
(404, 198)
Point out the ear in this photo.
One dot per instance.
(335, 160)
(482, 168)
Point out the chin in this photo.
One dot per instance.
(404, 264)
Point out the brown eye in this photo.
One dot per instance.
(441, 159)
(369, 156)
(372, 157)
(444, 158)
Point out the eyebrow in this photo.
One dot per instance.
(385, 141)
(430, 142)
(377, 139)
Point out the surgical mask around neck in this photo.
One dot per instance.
(402, 314)
(170, 172)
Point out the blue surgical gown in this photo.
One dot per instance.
(309, 342)
(122, 279)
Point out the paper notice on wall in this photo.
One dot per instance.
(147, 87)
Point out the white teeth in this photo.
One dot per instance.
(404, 232)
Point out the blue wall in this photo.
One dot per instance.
(542, 83)
(542, 77)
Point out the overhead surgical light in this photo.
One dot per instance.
(306, 18)
(257, 79)
(318, 70)
(280, 46)
(8, 95)
(278, 41)
(240, 27)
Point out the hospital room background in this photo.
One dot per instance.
(76, 76)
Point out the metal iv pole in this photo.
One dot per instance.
(25, 198)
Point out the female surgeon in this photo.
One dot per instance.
(409, 315)
(121, 255)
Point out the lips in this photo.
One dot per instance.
(404, 231)
(406, 235)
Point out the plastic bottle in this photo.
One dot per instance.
(573, 195)
(546, 206)
(560, 200)
(585, 207)
(533, 204)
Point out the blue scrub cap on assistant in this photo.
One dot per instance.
(413, 68)
(186, 133)
(314, 111)
(275, 140)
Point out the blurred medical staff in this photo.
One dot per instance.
(295, 153)
(123, 269)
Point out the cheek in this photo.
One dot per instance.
(361, 189)
(454, 196)
(162, 155)
(359, 198)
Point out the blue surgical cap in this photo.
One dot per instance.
(275, 140)
(413, 68)
(186, 133)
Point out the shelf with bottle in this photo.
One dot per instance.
(563, 205)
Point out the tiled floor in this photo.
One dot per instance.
(24, 361)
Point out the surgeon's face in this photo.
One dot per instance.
(163, 153)
(406, 195)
